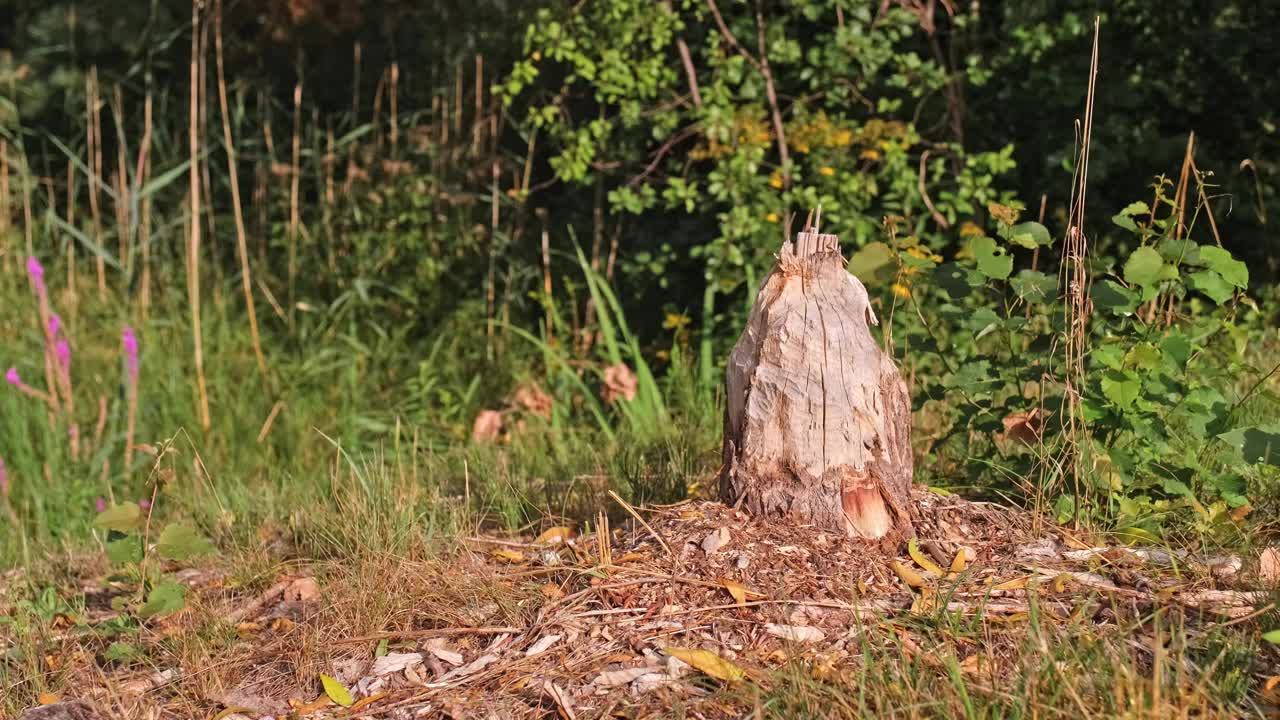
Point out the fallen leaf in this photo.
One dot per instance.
(368, 701)
(487, 426)
(1014, 584)
(739, 591)
(1272, 637)
(560, 698)
(303, 589)
(909, 576)
(1271, 690)
(708, 663)
(921, 559)
(552, 591)
(336, 691)
(1060, 581)
(446, 655)
(631, 557)
(309, 708)
(552, 536)
(1269, 565)
(795, 633)
(542, 645)
(972, 665)
(1024, 426)
(281, 624)
(46, 698)
(248, 629)
(716, 540)
(613, 678)
(960, 562)
(511, 556)
(394, 663)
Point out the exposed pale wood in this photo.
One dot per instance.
(818, 419)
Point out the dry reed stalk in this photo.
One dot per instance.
(1075, 268)
(94, 153)
(71, 220)
(490, 296)
(6, 220)
(193, 248)
(546, 277)
(295, 213)
(144, 224)
(395, 119)
(377, 114)
(28, 222)
(242, 242)
(123, 205)
(330, 196)
(478, 123)
(457, 102)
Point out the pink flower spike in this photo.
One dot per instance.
(55, 324)
(100, 504)
(35, 270)
(130, 342)
(145, 504)
(13, 378)
(63, 350)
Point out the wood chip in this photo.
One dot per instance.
(795, 633)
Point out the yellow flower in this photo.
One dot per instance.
(870, 154)
(901, 290)
(775, 180)
(936, 258)
(827, 170)
(675, 321)
(802, 147)
(772, 217)
(918, 252)
(842, 138)
(968, 229)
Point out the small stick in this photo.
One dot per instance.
(270, 421)
(421, 634)
(632, 511)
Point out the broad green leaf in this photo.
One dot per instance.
(867, 260)
(1212, 284)
(1272, 637)
(1030, 235)
(121, 652)
(1174, 486)
(336, 691)
(125, 550)
(1180, 251)
(165, 598)
(1143, 356)
(1221, 262)
(179, 542)
(1143, 267)
(121, 518)
(1121, 388)
(1034, 286)
(958, 281)
(993, 261)
(1110, 295)
(1256, 444)
(1111, 356)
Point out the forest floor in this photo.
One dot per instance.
(690, 610)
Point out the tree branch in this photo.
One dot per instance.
(686, 59)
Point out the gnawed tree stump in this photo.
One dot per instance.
(818, 419)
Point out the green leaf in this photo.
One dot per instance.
(958, 281)
(1144, 356)
(1272, 637)
(1121, 388)
(166, 598)
(1256, 444)
(1221, 262)
(121, 518)
(1034, 286)
(1109, 356)
(336, 691)
(869, 259)
(1030, 235)
(179, 542)
(121, 652)
(1143, 267)
(1110, 295)
(125, 550)
(993, 261)
(1212, 284)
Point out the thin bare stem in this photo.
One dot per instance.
(193, 248)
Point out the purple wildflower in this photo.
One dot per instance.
(55, 324)
(63, 350)
(145, 504)
(130, 342)
(100, 505)
(36, 271)
(13, 378)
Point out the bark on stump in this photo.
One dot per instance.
(818, 419)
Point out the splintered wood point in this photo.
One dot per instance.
(818, 419)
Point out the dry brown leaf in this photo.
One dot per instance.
(248, 629)
(487, 426)
(310, 708)
(795, 633)
(46, 698)
(921, 559)
(1061, 580)
(303, 589)
(631, 557)
(555, 535)
(1269, 565)
(533, 400)
(739, 591)
(619, 382)
(552, 591)
(542, 645)
(509, 555)
(909, 576)
(1024, 426)
(1014, 584)
(708, 663)
(961, 561)
(612, 678)
(367, 701)
(716, 540)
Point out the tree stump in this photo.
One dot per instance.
(818, 419)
